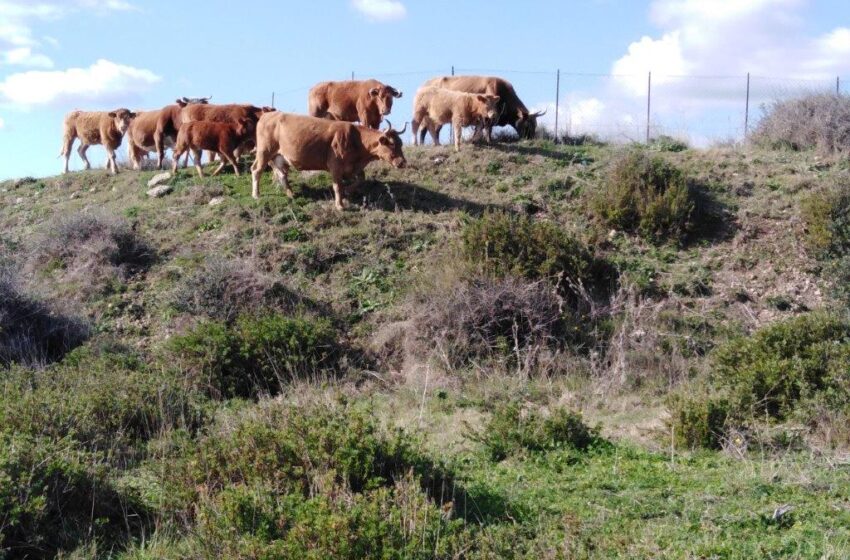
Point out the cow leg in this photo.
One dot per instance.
(234, 160)
(110, 160)
(457, 127)
(68, 142)
(158, 142)
(221, 163)
(175, 159)
(414, 129)
(256, 171)
(211, 155)
(196, 157)
(281, 171)
(488, 133)
(82, 151)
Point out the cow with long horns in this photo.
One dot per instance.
(364, 101)
(286, 141)
(512, 111)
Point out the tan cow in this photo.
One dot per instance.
(363, 101)
(434, 107)
(140, 136)
(285, 141)
(95, 127)
(512, 111)
(223, 138)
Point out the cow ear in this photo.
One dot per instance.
(374, 92)
(132, 115)
(112, 114)
(384, 141)
(482, 98)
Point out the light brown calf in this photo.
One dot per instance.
(434, 107)
(223, 138)
(140, 136)
(287, 141)
(95, 127)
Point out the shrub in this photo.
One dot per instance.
(647, 196)
(814, 122)
(103, 398)
(91, 248)
(504, 244)
(53, 496)
(664, 143)
(699, 421)
(504, 318)
(32, 334)
(223, 289)
(512, 429)
(784, 363)
(256, 354)
(826, 213)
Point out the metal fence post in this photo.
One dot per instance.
(648, 103)
(352, 75)
(747, 110)
(557, 101)
(451, 126)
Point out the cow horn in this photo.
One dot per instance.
(539, 113)
(389, 124)
(400, 132)
(396, 93)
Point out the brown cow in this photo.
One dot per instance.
(168, 125)
(223, 138)
(366, 101)
(230, 113)
(287, 141)
(434, 107)
(97, 127)
(512, 111)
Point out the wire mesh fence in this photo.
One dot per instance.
(701, 110)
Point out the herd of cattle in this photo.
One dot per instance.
(327, 140)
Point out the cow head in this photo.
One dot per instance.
(383, 97)
(389, 146)
(526, 123)
(487, 106)
(121, 119)
(244, 126)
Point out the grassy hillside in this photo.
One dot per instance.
(527, 350)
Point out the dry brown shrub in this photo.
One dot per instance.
(818, 122)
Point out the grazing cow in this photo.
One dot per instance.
(287, 141)
(512, 111)
(98, 127)
(366, 101)
(223, 138)
(434, 107)
(168, 125)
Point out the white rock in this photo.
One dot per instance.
(216, 200)
(159, 178)
(159, 191)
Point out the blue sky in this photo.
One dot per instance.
(100, 54)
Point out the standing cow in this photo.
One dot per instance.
(434, 107)
(168, 125)
(230, 113)
(365, 101)
(222, 138)
(512, 111)
(96, 127)
(287, 141)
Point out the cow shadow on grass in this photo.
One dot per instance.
(394, 195)
(402, 195)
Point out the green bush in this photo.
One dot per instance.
(508, 245)
(256, 354)
(647, 196)
(768, 373)
(54, 496)
(512, 429)
(102, 398)
(665, 143)
(826, 213)
(698, 421)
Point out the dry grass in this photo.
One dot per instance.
(818, 122)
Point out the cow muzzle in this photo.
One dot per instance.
(399, 163)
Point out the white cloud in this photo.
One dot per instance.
(731, 37)
(2, 123)
(103, 82)
(17, 41)
(381, 10)
(24, 56)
